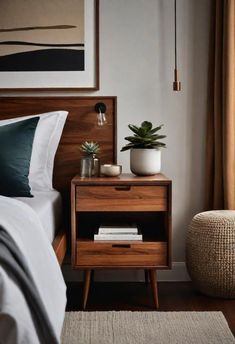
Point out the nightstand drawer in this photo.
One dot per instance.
(121, 254)
(121, 198)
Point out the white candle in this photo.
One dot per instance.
(110, 170)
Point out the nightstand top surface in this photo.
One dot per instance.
(124, 178)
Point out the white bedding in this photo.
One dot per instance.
(48, 207)
(23, 225)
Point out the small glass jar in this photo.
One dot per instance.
(90, 166)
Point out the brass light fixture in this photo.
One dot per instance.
(176, 83)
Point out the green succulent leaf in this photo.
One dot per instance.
(90, 147)
(154, 130)
(133, 128)
(159, 144)
(128, 146)
(144, 137)
(147, 125)
(159, 137)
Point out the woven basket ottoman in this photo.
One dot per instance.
(210, 253)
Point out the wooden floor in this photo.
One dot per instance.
(137, 297)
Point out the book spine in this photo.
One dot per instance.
(117, 237)
(118, 231)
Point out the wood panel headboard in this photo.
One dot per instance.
(81, 125)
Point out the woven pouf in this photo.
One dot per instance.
(210, 253)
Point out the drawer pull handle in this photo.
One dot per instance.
(122, 188)
(121, 245)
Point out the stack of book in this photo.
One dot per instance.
(118, 234)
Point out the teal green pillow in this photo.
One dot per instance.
(16, 142)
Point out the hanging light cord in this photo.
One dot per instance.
(175, 38)
(176, 82)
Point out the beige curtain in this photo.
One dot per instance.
(220, 169)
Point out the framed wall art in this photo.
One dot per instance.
(49, 45)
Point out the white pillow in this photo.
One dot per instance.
(45, 144)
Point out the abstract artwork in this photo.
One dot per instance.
(48, 44)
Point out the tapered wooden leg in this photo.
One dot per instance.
(86, 287)
(153, 280)
(146, 277)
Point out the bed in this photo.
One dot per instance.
(81, 125)
(47, 213)
(48, 207)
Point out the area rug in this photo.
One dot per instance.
(146, 328)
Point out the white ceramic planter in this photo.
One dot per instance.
(145, 162)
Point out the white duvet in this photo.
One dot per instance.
(23, 225)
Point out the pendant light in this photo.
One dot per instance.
(176, 83)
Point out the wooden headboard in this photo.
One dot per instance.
(81, 125)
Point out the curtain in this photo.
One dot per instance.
(220, 150)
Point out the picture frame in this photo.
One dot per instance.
(85, 78)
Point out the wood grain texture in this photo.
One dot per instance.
(115, 198)
(168, 224)
(127, 194)
(87, 281)
(73, 225)
(108, 195)
(153, 281)
(121, 254)
(123, 179)
(60, 245)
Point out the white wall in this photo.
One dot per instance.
(136, 64)
(137, 57)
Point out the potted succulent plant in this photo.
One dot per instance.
(90, 164)
(145, 149)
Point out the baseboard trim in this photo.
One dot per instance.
(178, 273)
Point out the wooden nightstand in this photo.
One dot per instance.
(145, 201)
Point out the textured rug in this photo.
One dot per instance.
(146, 328)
